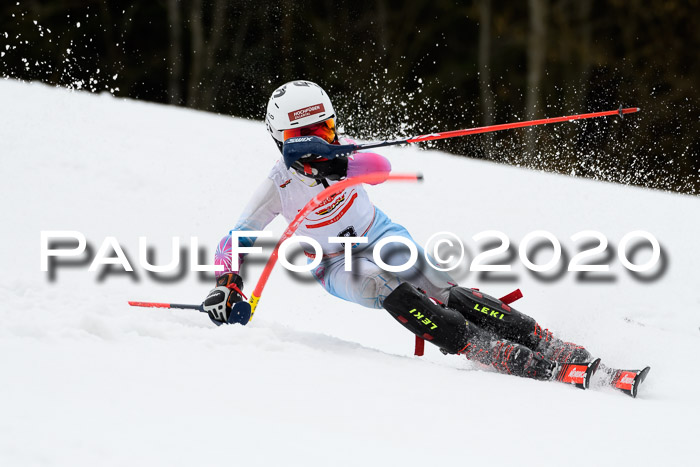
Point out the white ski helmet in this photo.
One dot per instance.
(296, 104)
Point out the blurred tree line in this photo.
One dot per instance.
(399, 68)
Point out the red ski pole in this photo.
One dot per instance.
(167, 305)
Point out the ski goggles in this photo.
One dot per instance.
(324, 130)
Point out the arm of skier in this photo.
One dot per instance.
(363, 163)
(262, 208)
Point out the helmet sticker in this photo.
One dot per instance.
(306, 111)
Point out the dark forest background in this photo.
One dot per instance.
(397, 68)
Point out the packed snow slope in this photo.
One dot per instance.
(87, 380)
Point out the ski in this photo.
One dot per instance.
(627, 381)
(578, 374)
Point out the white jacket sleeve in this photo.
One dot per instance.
(261, 209)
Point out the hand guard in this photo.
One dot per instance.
(225, 304)
(301, 146)
(316, 167)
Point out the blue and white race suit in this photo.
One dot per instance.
(347, 214)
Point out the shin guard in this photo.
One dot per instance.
(453, 334)
(494, 316)
(428, 319)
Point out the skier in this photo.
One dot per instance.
(426, 301)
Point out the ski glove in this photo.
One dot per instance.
(362, 163)
(225, 304)
(317, 167)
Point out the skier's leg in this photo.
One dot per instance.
(448, 329)
(436, 283)
(366, 284)
(506, 322)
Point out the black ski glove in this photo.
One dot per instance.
(221, 302)
(317, 167)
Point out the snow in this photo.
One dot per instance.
(87, 380)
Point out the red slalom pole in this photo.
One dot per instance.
(508, 126)
(310, 206)
(492, 128)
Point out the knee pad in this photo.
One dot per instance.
(428, 319)
(492, 315)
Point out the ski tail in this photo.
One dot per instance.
(627, 381)
(578, 374)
